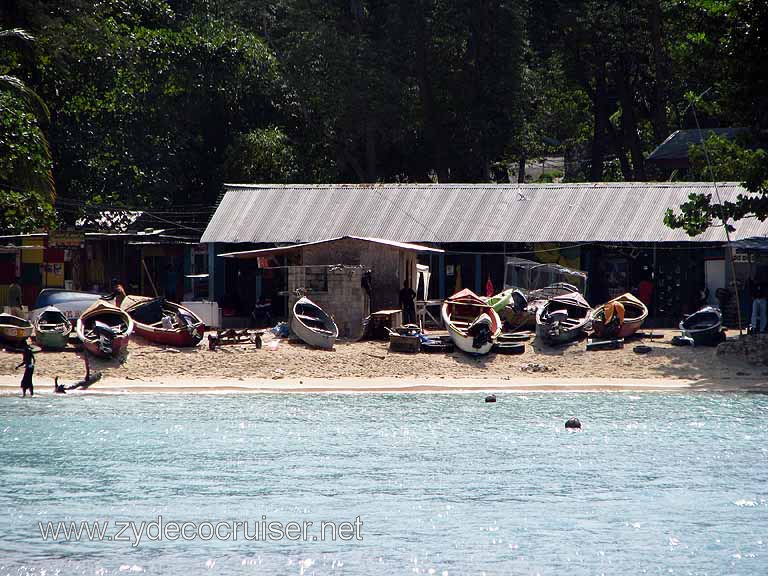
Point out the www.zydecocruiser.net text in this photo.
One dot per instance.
(161, 530)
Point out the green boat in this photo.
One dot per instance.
(52, 329)
(500, 300)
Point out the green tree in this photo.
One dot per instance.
(27, 189)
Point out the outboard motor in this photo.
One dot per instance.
(481, 335)
(106, 334)
(519, 301)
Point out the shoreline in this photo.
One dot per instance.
(9, 385)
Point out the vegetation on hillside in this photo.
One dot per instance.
(156, 103)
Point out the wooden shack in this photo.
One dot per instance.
(349, 277)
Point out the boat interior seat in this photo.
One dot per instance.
(308, 318)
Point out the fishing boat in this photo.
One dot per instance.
(563, 318)
(619, 318)
(164, 322)
(14, 330)
(704, 327)
(52, 329)
(104, 329)
(501, 300)
(71, 303)
(472, 324)
(311, 323)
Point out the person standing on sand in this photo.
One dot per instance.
(407, 304)
(28, 362)
(118, 293)
(759, 322)
(14, 297)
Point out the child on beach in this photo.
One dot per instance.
(28, 362)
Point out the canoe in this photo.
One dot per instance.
(563, 319)
(608, 323)
(104, 329)
(472, 324)
(52, 329)
(164, 322)
(310, 323)
(14, 330)
(72, 303)
(704, 327)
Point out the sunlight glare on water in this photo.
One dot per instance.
(444, 484)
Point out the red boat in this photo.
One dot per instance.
(104, 329)
(164, 322)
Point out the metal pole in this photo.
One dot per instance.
(152, 282)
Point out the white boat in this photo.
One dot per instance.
(311, 323)
(14, 330)
(472, 324)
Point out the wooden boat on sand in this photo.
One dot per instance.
(619, 318)
(14, 330)
(704, 327)
(104, 329)
(52, 329)
(71, 302)
(311, 323)
(501, 300)
(563, 318)
(164, 322)
(472, 323)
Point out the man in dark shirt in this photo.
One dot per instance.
(407, 303)
(29, 369)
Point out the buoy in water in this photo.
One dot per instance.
(573, 424)
(490, 398)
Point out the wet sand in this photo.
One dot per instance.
(370, 367)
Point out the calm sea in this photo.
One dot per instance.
(442, 484)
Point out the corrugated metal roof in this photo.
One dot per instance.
(515, 213)
(283, 249)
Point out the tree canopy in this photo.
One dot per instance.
(156, 103)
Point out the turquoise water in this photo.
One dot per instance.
(443, 484)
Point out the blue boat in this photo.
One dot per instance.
(70, 302)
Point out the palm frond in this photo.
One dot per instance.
(30, 97)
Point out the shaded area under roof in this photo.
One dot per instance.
(286, 249)
(675, 147)
(514, 213)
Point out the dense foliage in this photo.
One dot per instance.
(156, 103)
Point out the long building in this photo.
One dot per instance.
(613, 231)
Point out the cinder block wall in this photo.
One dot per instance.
(345, 299)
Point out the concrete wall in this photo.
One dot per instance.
(389, 266)
(344, 299)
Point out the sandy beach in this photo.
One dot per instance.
(369, 366)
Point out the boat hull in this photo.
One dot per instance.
(563, 319)
(631, 324)
(704, 327)
(71, 303)
(178, 339)
(182, 336)
(107, 313)
(318, 337)
(52, 340)
(468, 306)
(14, 330)
(52, 329)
